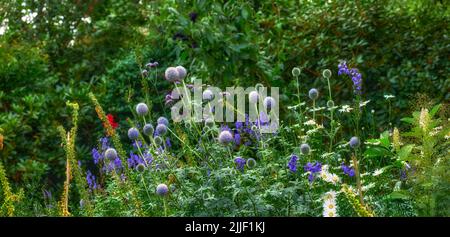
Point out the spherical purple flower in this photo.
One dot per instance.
(225, 137)
(162, 190)
(296, 71)
(133, 133)
(354, 142)
(141, 109)
(251, 163)
(144, 72)
(161, 129)
(253, 97)
(305, 149)
(163, 120)
(313, 94)
(181, 72)
(269, 102)
(172, 74)
(208, 95)
(111, 153)
(148, 129)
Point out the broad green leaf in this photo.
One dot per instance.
(398, 195)
(376, 151)
(384, 139)
(408, 120)
(405, 151)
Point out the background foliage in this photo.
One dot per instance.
(73, 47)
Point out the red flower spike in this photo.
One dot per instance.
(113, 123)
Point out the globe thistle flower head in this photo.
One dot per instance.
(148, 129)
(305, 149)
(253, 97)
(162, 190)
(181, 72)
(140, 168)
(172, 74)
(313, 94)
(208, 95)
(111, 153)
(161, 129)
(296, 71)
(158, 140)
(141, 109)
(330, 104)
(209, 122)
(251, 163)
(326, 73)
(133, 133)
(225, 137)
(163, 120)
(269, 102)
(354, 142)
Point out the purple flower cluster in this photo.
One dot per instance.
(312, 169)
(244, 132)
(292, 165)
(240, 163)
(91, 181)
(353, 73)
(347, 170)
(135, 160)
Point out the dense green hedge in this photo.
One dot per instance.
(401, 48)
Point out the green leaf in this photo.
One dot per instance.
(384, 139)
(376, 151)
(408, 120)
(434, 110)
(404, 152)
(398, 195)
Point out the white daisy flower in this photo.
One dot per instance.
(310, 122)
(387, 97)
(329, 204)
(345, 109)
(367, 187)
(329, 213)
(362, 104)
(330, 195)
(377, 172)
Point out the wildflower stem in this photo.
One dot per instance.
(314, 110)
(358, 178)
(145, 187)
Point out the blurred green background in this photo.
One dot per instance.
(52, 51)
